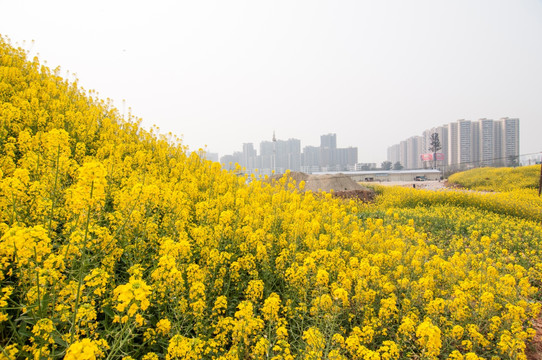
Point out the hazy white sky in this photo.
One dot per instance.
(221, 73)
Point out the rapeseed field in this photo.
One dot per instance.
(116, 243)
(498, 179)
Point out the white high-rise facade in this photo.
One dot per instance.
(394, 154)
(403, 154)
(414, 150)
(442, 133)
(486, 143)
(464, 141)
(453, 159)
(510, 141)
(465, 144)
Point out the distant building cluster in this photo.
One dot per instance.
(210, 156)
(464, 144)
(281, 155)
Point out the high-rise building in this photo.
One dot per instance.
(403, 154)
(288, 155)
(249, 157)
(442, 133)
(510, 141)
(498, 144)
(464, 141)
(453, 160)
(211, 156)
(476, 143)
(465, 144)
(328, 153)
(413, 152)
(345, 157)
(328, 141)
(486, 142)
(267, 157)
(310, 159)
(228, 161)
(394, 154)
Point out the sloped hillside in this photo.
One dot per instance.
(498, 179)
(115, 243)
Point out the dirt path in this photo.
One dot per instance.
(534, 349)
(427, 185)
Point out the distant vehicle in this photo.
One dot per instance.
(420, 178)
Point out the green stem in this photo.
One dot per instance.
(38, 282)
(127, 218)
(5, 353)
(119, 341)
(15, 332)
(14, 212)
(53, 192)
(81, 269)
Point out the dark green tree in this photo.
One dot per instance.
(397, 166)
(513, 161)
(434, 146)
(386, 165)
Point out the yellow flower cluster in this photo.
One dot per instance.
(131, 298)
(86, 349)
(117, 243)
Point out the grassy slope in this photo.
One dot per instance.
(498, 179)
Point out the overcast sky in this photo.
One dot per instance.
(222, 73)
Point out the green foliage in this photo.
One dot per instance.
(386, 165)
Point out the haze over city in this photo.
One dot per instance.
(226, 73)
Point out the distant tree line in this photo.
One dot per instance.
(388, 165)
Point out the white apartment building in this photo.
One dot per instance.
(486, 143)
(464, 141)
(394, 154)
(403, 154)
(465, 144)
(442, 132)
(452, 145)
(414, 151)
(510, 140)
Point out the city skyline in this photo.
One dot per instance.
(225, 73)
(463, 144)
(277, 156)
